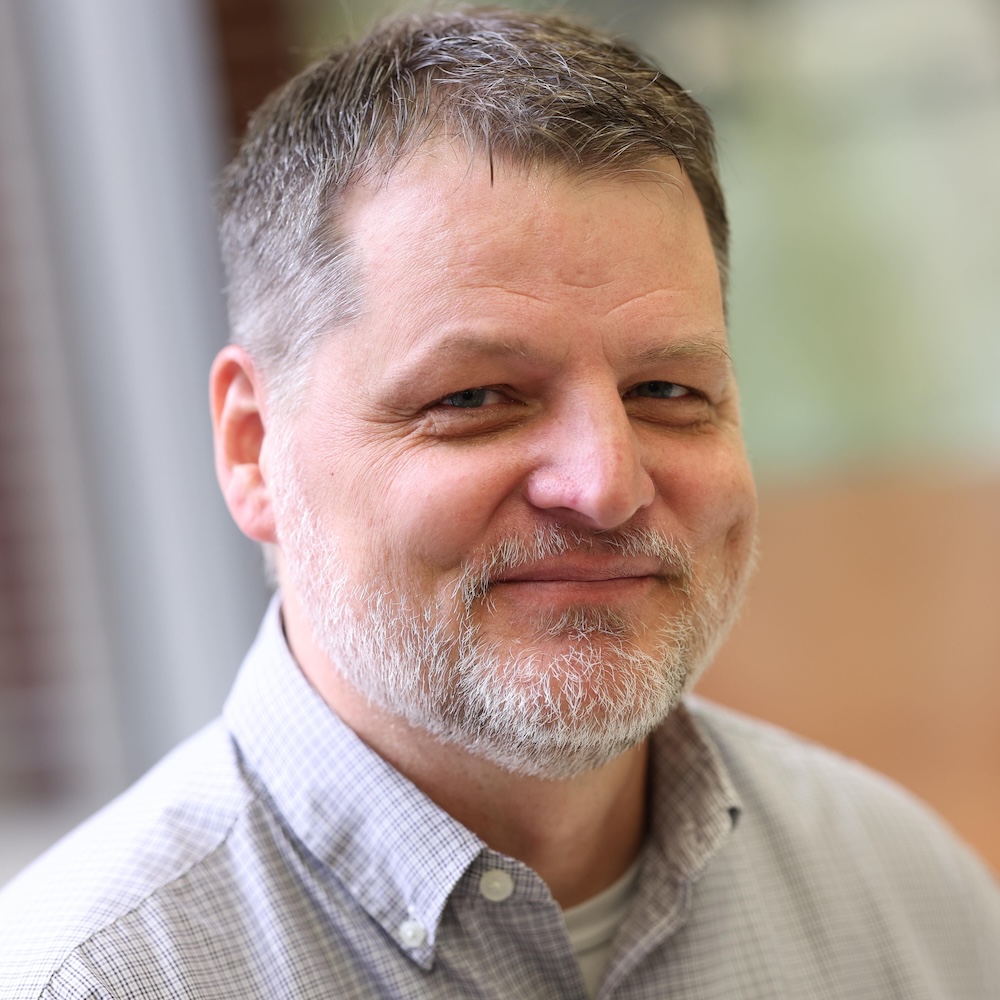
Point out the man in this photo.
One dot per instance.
(479, 404)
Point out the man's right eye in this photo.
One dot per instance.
(471, 399)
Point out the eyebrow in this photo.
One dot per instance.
(697, 349)
(467, 343)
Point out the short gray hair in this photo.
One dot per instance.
(524, 88)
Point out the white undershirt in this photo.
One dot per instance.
(593, 925)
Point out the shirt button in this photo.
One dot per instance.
(496, 885)
(412, 933)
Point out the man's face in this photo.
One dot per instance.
(514, 505)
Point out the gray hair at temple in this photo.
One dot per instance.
(522, 88)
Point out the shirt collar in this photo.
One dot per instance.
(694, 805)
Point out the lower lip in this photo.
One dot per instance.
(614, 591)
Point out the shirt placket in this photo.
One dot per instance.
(503, 931)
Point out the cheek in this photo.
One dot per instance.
(435, 510)
(711, 492)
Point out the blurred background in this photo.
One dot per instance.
(860, 146)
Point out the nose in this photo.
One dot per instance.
(590, 468)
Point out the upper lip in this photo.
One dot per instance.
(590, 570)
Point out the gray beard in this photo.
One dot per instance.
(545, 714)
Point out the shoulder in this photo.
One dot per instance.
(775, 767)
(796, 785)
(169, 823)
(833, 837)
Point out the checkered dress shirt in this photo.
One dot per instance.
(274, 855)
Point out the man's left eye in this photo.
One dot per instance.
(471, 399)
(659, 390)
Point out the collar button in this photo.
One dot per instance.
(412, 933)
(496, 885)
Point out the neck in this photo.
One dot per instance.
(579, 834)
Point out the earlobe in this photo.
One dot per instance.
(239, 427)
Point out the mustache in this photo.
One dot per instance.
(548, 541)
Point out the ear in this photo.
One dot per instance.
(239, 427)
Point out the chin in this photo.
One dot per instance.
(555, 713)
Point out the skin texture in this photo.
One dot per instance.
(537, 351)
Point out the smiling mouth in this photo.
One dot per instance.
(559, 567)
(605, 582)
(584, 572)
(585, 586)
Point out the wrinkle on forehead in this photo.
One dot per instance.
(517, 292)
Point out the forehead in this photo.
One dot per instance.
(450, 241)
